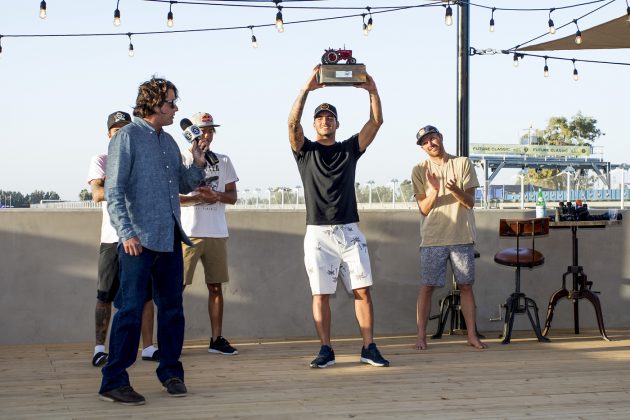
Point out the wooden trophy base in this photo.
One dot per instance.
(342, 74)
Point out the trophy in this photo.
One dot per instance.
(332, 72)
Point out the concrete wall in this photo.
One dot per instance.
(48, 268)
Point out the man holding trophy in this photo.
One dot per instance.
(334, 247)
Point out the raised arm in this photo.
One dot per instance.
(296, 132)
(369, 130)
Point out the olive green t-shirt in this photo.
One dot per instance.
(448, 222)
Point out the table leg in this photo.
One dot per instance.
(592, 297)
(555, 297)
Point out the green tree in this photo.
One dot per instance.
(37, 196)
(560, 131)
(12, 199)
(85, 195)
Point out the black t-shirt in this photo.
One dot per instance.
(328, 174)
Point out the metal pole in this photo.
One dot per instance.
(463, 47)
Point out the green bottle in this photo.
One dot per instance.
(541, 206)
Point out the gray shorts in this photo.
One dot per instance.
(433, 261)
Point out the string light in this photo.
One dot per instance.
(575, 72)
(42, 9)
(254, 42)
(492, 20)
(169, 17)
(279, 22)
(0, 44)
(117, 14)
(546, 69)
(131, 52)
(365, 27)
(370, 21)
(448, 16)
(552, 28)
(578, 34)
(515, 60)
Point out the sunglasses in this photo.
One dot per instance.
(172, 102)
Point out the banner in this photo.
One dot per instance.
(529, 149)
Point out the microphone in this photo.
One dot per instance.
(191, 131)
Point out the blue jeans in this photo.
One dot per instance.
(166, 270)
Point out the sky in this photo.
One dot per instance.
(58, 91)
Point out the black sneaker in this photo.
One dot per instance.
(175, 387)
(99, 359)
(221, 346)
(325, 358)
(124, 395)
(372, 356)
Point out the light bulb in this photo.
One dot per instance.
(131, 52)
(515, 62)
(365, 30)
(254, 42)
(448, 17)
(492, 25)
(578, 37)
(546, 71)
(116, 17)
(369, 24)
(169, 19)
(279, 22)
(42, 9)
(552, 28)
(575, 75)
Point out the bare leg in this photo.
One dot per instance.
(423, 308)
(468, 310)
(321, 316)
(147, 324)
(102, 315)
(215, 308)
(365, 314)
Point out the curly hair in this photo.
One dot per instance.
(151, 94)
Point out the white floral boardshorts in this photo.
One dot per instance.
(333, 252)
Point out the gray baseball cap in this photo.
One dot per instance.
(427, 129)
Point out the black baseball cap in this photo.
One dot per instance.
(325, 107)
(116, 117)
(427, 129)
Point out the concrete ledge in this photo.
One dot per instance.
(48, 264)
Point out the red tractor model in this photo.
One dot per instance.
(333, 56)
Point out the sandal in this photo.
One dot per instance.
(155, 357)
(99, 359)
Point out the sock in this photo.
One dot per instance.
(99, 349)
(148, 352)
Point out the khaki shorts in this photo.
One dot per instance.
(336, 252)
(213, 255)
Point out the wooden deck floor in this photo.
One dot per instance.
(572, 377)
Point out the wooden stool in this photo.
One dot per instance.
(518, 302)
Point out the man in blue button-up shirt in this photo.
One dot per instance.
(145, 176)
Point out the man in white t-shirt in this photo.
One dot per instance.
(203, 220)
(108, 281)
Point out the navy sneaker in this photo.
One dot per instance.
(221, 346)
(325, 358)
(372, 356)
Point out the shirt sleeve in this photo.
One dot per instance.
(97, 168)
(230, 173)
(469, 177)
(417, 180)
(118, 171)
